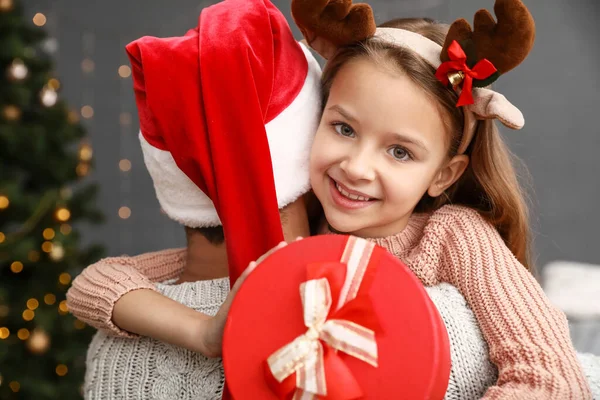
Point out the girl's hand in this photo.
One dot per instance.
(212, 334)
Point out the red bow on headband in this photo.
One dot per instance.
(458, 63)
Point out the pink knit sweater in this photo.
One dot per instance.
(528, 338)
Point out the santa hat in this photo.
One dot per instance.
(227, 116)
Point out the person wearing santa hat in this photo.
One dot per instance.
(227, 117)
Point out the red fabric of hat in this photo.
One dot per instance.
(206, 97)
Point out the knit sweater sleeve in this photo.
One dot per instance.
(93, 294)
(528, 338)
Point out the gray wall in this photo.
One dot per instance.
(556, 88)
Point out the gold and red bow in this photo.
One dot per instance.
(458, 64)
(339, 316)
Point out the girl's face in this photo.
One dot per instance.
(380, 146)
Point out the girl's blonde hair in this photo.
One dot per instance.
(489, 184)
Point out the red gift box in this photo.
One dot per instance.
(334, 317)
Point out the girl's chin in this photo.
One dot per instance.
(339, 227)
(335, 230)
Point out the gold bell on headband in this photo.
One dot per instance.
(456, 78)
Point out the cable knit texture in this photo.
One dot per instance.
(146, 369)
(528, 338)
(472, 372)
(591, 367)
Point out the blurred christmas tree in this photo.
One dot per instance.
(43, 157)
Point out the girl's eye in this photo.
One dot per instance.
(343, 129)
(399, 153)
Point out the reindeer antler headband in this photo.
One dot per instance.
(468, 61)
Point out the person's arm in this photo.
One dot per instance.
(528, 337)
(133, 308)
(94, 293)
(149, 313)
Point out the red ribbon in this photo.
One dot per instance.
(341, 384)
(458, 62)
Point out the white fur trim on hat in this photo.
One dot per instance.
(290, 137)
(178, 196)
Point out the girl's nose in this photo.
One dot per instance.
(358, 166)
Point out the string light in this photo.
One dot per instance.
(62, 214)
(124, 71)
(4, 202)
(64, 278)
(61, 370)
(2, 237)
(33, 304)
(62, 307)
(38, 342)
(16, 267)
(87, 66)
(28, 315)
(65, 229)
(125, 138)
(125, 119)
(50, 45)
(87, 112)
(14, 386)
(54, 83)
(48, 234)
(125, 165)
(47, 247)
(6, 5)
(39, 19)
(4, 333)
(79, 324)
(49, 299)
(85, 152)
(17, 70)
(124, 212)
(48, 96)
(11, 113)
(82, 169)
(57, 253)
(73, 117)
(23, 334)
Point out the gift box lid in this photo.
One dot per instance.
(381, 337)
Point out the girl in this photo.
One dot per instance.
(395, 159)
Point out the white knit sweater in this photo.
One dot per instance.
(144, 369)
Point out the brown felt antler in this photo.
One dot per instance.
(505, 43)
(333, 23)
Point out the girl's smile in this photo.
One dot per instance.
(344, 197)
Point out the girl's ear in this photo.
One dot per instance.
(448, 175)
